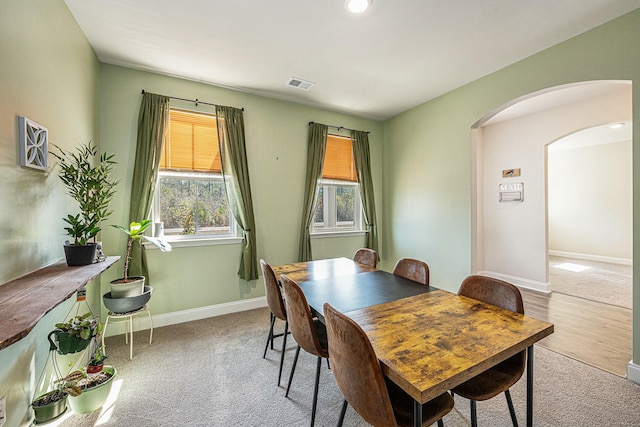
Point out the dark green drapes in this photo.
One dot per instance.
(315, 160)
(152, 122)
(360, 144)
(236, 176)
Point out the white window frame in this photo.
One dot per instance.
(329, 214)
(194, 239)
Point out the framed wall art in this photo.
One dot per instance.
(34, 144)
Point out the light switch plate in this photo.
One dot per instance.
(3, 410)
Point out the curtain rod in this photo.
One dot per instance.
(338, 127)
(196, 101)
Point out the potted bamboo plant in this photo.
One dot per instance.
(128, 286)
(87, 178)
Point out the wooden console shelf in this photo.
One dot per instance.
(24, 301)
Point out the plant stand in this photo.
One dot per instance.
(129, 332)
(54, 410)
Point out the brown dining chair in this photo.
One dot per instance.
(367, 257)
(276, 311)
(356, 369)
(501, 377)
(309, 333)
(412, 269)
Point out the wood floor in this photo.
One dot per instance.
(594, 333)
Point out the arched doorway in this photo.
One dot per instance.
(510, 237)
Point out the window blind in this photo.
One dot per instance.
(191, 143)
(338, 159)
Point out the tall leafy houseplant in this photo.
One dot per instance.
(128, 286)
(87, 178)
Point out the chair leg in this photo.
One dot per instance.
(284, 346)
(293, 369)
(343, 411)
(440, 423)
(512, 411)
(273, 320)
(315, 391)
(474, 414)
(270, 336)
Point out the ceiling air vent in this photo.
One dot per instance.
(299, 83)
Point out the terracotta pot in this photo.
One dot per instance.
(94, 369)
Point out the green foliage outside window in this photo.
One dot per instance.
(193, 206)
(345, 204)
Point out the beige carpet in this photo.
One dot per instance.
(597, 281)
(211, 373)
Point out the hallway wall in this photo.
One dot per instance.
(514, 245)
(590, 194)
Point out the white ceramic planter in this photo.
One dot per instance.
(133, 287)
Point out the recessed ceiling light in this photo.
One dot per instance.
(358, 6)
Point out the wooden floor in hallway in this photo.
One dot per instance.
(592, 332)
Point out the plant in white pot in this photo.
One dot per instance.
(87, 178)
(128, 286)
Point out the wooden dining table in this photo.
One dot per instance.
(427, 340)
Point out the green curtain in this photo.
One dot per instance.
(236, 177)
(315, 160)
(360, 144)
(152, 122)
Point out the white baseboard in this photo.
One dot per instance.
(633, 372)
(520, 281)
(589, 257)
(141, 322)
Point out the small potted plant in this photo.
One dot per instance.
(128, 286)
(86, 176)
(97, 360)
(52, 404)
(75, 335)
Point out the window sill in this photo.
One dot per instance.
(193, 242)
(331, 234)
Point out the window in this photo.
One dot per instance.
(338, 205)
(190, 197)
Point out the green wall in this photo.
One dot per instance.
(427, 150)
(48, 73)
(276, 138)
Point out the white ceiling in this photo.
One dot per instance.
(594, 136)
(395, 56)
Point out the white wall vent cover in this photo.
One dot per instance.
(299, 83)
